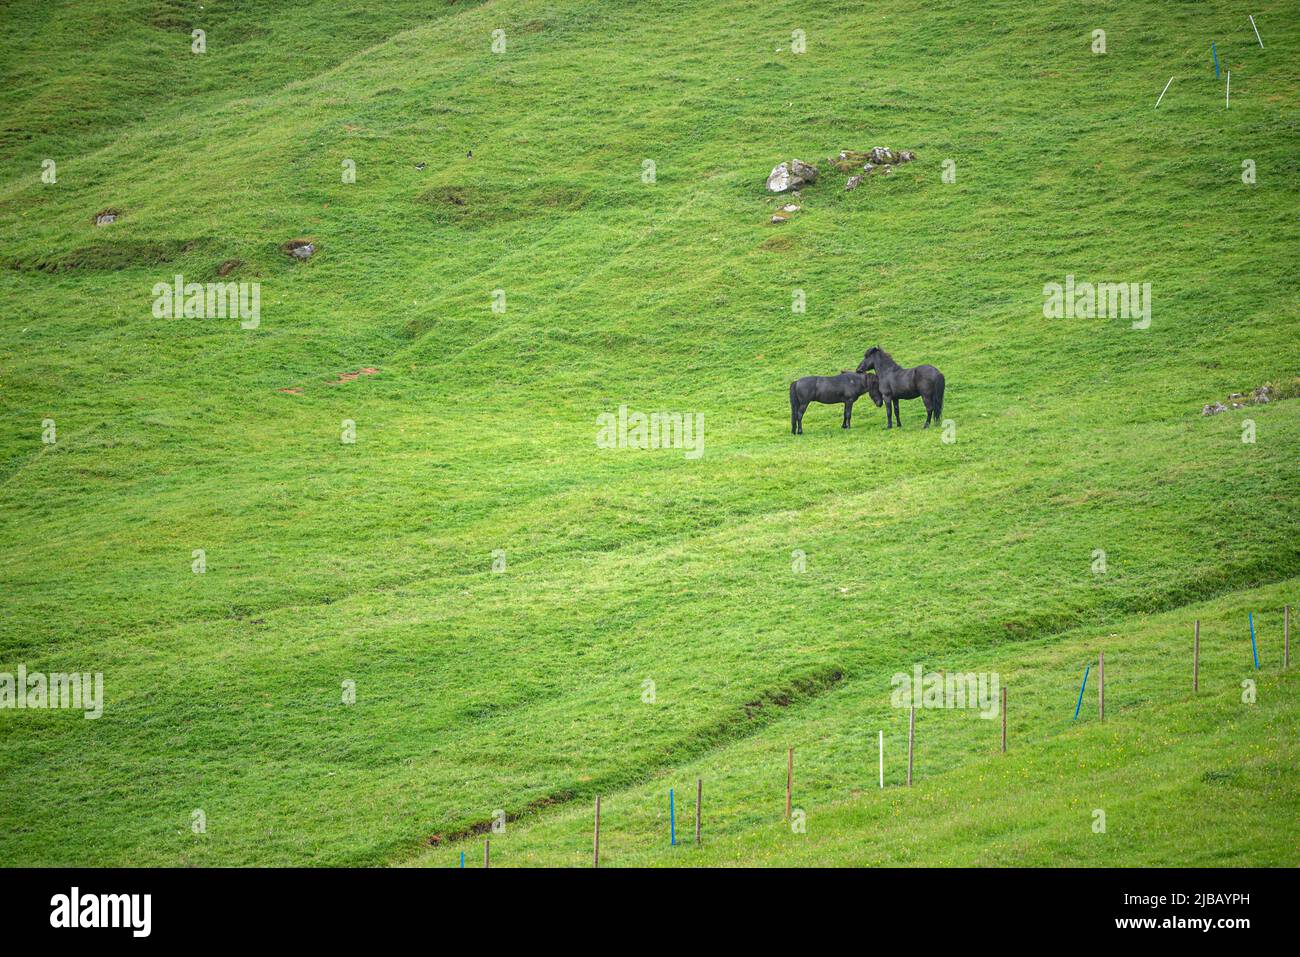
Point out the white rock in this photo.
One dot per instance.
(778, 181)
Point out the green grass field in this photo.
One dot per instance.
(371, 562)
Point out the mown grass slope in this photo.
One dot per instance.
(1204, 778)
(372, 562)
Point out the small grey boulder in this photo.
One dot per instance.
(792, 175)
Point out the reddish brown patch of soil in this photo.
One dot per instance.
(349, 376)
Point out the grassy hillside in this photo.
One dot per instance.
(1181, 779)
(371, 562)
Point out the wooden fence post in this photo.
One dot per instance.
(1004, 719)
(699, 800)
(789, 780)
(911, 741)
(487, 845)
(1196, 657)
(595, 840)
(1286, 636)
(1101, 685)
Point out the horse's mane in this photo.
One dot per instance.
(886, 356)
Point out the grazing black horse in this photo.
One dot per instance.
(829, 389)
(925, 382)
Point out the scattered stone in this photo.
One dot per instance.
(300, 248)
(867, 160)
(805, 171)
(849, 160)
(788, 177)
(778, 181)
(785, 213)
(1261, 395)
(106, 217)
(419, 165)
(792, 175)
(884, 156)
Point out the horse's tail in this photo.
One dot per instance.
(938, 399)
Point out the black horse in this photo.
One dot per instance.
(829, 389)
(925, 382)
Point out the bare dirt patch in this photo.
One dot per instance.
(349, 376)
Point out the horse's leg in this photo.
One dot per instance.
(848, 413)
(889, 412)
(929, 408)
(803, 407)
(898, 417)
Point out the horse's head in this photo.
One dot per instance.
(869, 360)
(873, 389)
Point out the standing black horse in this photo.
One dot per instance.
(829, 389)
(925, 382)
